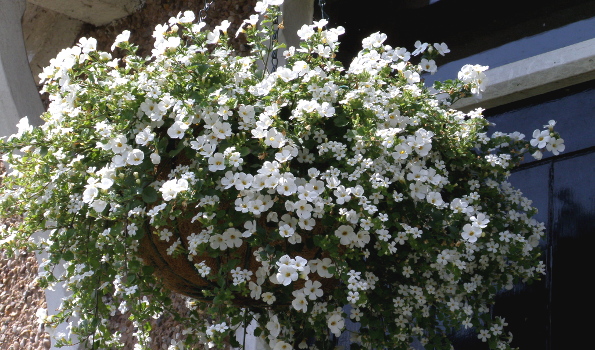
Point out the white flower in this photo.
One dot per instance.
(537, 155)
(471, 232)
(419, 48)
(273, 326)
(202, 269)
(42, 315)
(346, 234)
(165, 235)
(480, 220)
(355, 315)
(352, 297)
(98, 205)
(313, 289)
(374, 41)
(428, 65)
(323, 266)
(255, 290)
(305, 32)
(221, 130)
(484, 334)
(171, 188)
(135, 157)
(187, 17)
(213, 37)
(233, 237)
(459, 205)
(434, 198)
(23, 126)
(144, 136)
(342, 194)
(217, 162)
(90, 193)
(286, 74)
(555, 145)
(286, 231)
(268, 298)
(300, 303)
(87, 45)
(474, 75)
(220, 328)
(274, 139)
(177, 130)
(118, 144)
(218, 242)
(155, 158)
(281, 345)
(303, 209)
(540, 138)
(121, 38)
(336, 323)
(287, 274)
(550, 125)
(441, 48)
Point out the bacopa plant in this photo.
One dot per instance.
(275, 198)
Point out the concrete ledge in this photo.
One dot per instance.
(536, 75)
(19, 96)
(96, 12)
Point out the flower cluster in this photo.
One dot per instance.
(288, 194)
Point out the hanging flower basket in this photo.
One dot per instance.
(274, 197)
(180, 273)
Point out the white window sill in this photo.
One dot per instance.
(536, 75)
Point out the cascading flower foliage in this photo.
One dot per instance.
(312, 187)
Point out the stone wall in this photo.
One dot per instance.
(142, 23)
(20, 298)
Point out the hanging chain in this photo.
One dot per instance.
(202, 14)
(321, 4)
(274, 39)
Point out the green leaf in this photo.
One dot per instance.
(257, 331)
(202, 68)
(162, 144)
(178, 149)
(148, 270)
(150, 195)
(68, 255)
(134, 264)
(232, 340)
(244, 151)
(310, 143)
(70, 233)
(198, 185)
(340, 121)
